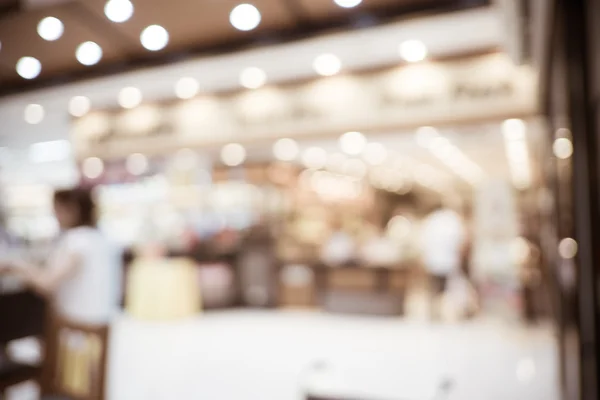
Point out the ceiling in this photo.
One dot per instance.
(195, 27)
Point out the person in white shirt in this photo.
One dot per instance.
(82, 279)
(443, 236)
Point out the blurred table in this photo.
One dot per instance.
(163, 289)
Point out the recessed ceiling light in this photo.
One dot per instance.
(245, 17)
(92, 167)
(29, 67)
(34, 114)
(233, 154)
(413, 50)
(563, 148)
(50, 28)
(285, 149)
(88, 53)
(79, 106)
(253, 78)
(327, 65)
(347, 3)
(186, 88)
(130, 97)
(154, 38)
(118, 10)
(136, 164)
(353, 143)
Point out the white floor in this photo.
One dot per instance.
(252, 355)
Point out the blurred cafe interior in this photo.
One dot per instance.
(278, 183)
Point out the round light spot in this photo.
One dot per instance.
(88, 53)
(399, 227)
(136, 164)
(29, 67)
(253, 78)
(34, 114)
(130, 97)
(79, 106)
(233, 154)
(186, 88)
(245, 17)
(520, 250)
(92, 167)
(314, 158)
(327, 64)
(375, 154)
(567, 248)
(353, 143)
(336, 161)
(154, 38)
(413, 51)
(286, 149)
(348, 3)
(563, 148)
(50, 28)
(118, 10)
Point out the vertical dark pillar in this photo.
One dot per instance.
(574, 29)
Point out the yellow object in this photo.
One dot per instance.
(163, 289)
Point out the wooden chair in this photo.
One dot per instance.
(75, 360)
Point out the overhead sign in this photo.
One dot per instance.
(484, 87)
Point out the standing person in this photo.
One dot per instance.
(81, 279)
(443, 235)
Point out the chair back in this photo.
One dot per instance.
(75, 360)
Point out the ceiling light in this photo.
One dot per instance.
(130, 97)
(327, 64)
(154, 38)
(314, 158)
(286, 149)
(245, 17)
(29, 67)
(50, 28)
(347, 3)
(34, 114)
(567, 248)
(92, 167)
(353, 143)
(79, 106)
(118, 10)
(253, 78)
(56, 150)
(88, 53)
(233, 154)
(563, 148)
(375, 154)
(136, 164)
(186, 88)
(413, 51)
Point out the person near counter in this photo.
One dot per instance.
(443, 236)
(82, 277)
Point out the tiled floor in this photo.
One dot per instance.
(253, 355)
